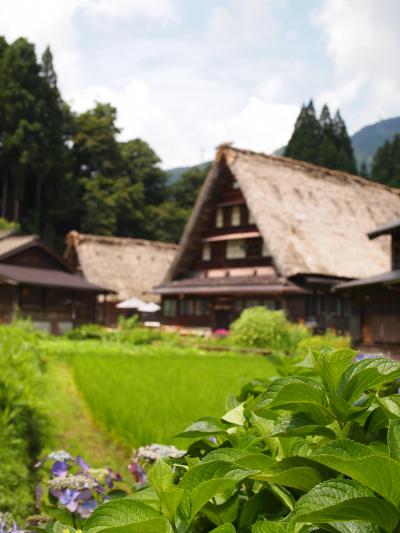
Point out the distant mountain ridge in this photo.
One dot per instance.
(175, 173)
(368, 139)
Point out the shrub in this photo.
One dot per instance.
(292, 454)
(139, 336)
(322, 342)
(260, 328)
(89, 331)
(21, 421)
(128, 323)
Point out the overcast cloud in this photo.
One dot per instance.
(186, 76)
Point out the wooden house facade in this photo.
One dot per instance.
(128, 267)
(375, 300)
(36, 283)
(275, 232)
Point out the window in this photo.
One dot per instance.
(219, 218)
(32, 297)
(206, 252)
(235, 216)
(236, 249)
(202, 307)
(191, 307)
(264, 251)
(251, 218)
(169, 307)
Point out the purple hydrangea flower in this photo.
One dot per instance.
(59, 469)
(138, 473)
(69, 498)
(86, 508)
(85, 467)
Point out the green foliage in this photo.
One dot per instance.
(322, 141)
(21, 420)
(261, 328)
(295, 454)
(322, 342)
(386, 163)
(63, 170)
(88, 331)
(128, 323)
(8, 225)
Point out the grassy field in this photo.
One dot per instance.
(150, 393)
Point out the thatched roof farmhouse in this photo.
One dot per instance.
(312, 223)
(129, 267)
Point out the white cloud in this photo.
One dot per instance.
(244, 22)
(259, 125)
(163, 10)
(363, 41)
(184, 98)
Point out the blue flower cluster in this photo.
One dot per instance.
(75, 486)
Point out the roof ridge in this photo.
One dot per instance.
(305, 165)
(110, 239)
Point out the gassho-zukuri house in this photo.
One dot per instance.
(36, 283)
(276, 232)
(128, 267)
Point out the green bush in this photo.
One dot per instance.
(21, 421)
(260, 328)
(139, 336)
(292, 454)
(322, 342)
(89, 331)
(128, 323)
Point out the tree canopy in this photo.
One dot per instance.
(323, 141)
(386, 163)
(61, 170)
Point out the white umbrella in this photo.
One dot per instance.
(148, 307)
(131, 303)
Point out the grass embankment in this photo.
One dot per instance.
(149, 393)
(70, 425)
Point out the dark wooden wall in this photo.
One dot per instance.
(35, 257)
(376, 316)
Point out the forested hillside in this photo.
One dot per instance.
(369, 138)
(61, 170)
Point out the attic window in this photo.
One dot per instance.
(251, 218)
(265, 251)
(219, 218)
(235, 216)
(236, 249)
(206, 252)
(235, 185)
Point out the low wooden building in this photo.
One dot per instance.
(375, 300)
(128, 267)
(38, 284)
(276, 232)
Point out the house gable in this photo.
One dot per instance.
(313, 220)
(35, 257)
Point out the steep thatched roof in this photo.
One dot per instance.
(130, 267)
(313, 219)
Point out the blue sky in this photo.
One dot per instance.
(188, 75)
